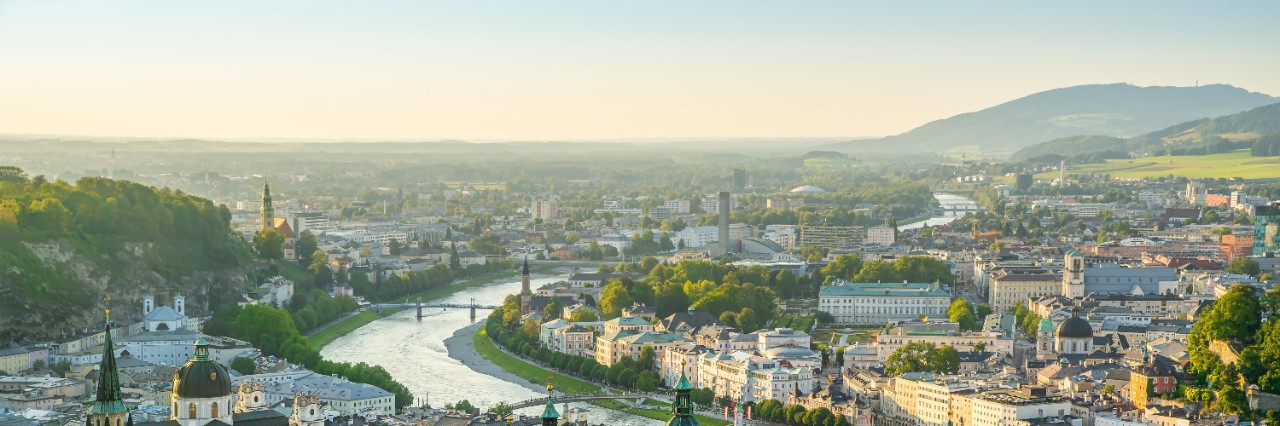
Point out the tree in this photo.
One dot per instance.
(394, 247)
(747, 321)
(584, 315)
(922, 357)
(845, 266)
(269, 244)
(307, 245)
(982, 311)
(553, 309)
(1244, 265)
(502, 410)
(824, 317)
(244, 365)
(61, 368)
(455, 263)
(613, 298)
(961, 312)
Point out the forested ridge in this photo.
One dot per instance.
(65, 245)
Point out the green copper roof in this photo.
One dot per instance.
(108, 400)
(201, 377)
(1046, 324)
(683, 384)
(550, 411)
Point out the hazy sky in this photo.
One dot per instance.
(540, 69)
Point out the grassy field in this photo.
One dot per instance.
(328, 335)
(566, 384)
(1224, 165)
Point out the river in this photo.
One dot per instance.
(413, 351)
(948, 216)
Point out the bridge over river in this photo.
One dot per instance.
(378, 307)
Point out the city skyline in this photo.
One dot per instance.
(588, 70)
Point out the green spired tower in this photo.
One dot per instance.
(549, 415)
(108, 405)
(268, 216)
(683, 415)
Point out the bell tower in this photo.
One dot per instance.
(1073, 274)
(268, 217)
(251, 397)
(525, 292)
(306, 410)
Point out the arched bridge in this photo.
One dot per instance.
(534, 402)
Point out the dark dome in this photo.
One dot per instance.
(201, 377)
(1075, 327)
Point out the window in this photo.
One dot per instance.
(191, 411)
(213, 409)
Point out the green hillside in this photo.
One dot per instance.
(1116, 110)
(1206, 135)
(64, 246)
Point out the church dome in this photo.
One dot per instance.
(201, 377)
(1075, 327)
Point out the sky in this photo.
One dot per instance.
(590, 69)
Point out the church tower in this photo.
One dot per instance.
(306, 410)
(108, 405)
(549, 415)
(201, 390)
(525, 292)
(268, 217)
(1073, 275)
(683, 411)
(251, 397)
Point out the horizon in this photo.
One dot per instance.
(568, 71)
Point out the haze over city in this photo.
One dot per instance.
(573, 70)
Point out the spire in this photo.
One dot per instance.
(109, 399)
(682, 413)
(549, 415)
(525, 271)
(268, 212)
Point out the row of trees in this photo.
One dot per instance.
(273, 331)
(922, 357)
(773, 410)
(969, 318)
(920, 269)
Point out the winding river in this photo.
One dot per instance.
(414, 352)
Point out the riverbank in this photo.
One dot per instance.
(321, 337)
(471, 346)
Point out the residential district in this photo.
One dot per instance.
(1049, 310)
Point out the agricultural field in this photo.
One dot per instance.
(1223, 165)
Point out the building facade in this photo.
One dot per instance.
(879, 303)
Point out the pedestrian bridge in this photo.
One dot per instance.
(431, 305)
(534, 402)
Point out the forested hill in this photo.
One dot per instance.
(1118, 110)
(1203, 136)
(64, 246)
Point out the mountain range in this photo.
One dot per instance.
(1114, 110)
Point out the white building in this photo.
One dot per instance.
(696, 236)
(677, 206)
(545, 210)
(880, 235)
(1001, 408)
(748, 378)
(879, 303)
(340, 394)
(940, 334)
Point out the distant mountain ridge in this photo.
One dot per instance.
(1116, 110)
(1244, 126)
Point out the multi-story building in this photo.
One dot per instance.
(1150, 305)
(696, 236)
(544, 209)
(880, 235)
(1017, 285)
(681, 357)
(627, 323)
(339, 394)
(831, 237)
(612, 347)
(677, 206)
(1002, 408)
(878, 303)
(15, 359)
(940, 334)
(1148, 381)
(744, 377)
(922, 397)
(1233, 246)
(1266, 229)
